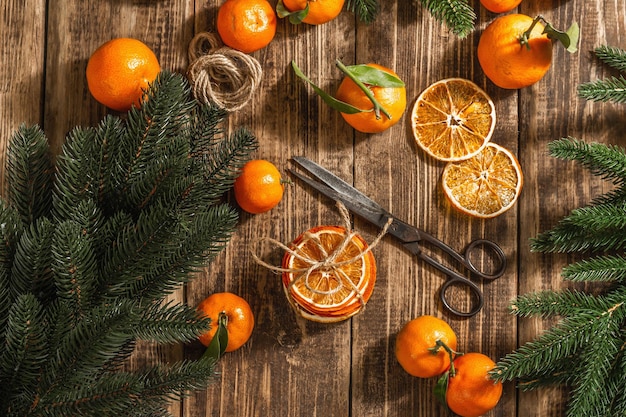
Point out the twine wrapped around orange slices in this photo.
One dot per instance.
(328, 272)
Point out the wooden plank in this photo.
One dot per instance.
(290, 366)
(395, 172)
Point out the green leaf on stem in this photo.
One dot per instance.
(218, 344)
(295, 17)
(440, 389)
(569, 38)
(330, 100)
(374, 76)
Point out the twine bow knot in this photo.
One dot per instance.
(328, 264)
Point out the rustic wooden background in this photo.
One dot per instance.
(295, 368)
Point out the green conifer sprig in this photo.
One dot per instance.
(608, 268)
(613, 88)
(91, 245)
(612, 56)
(586, 348)
(458, 15)
(366, 10)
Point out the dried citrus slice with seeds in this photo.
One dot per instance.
(485, 185)
(453, 119)
(329, 276)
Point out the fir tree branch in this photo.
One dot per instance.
(588, 228)
(81, 351)
(590, 396)
(610, 89)
(75, 268)
(606, 161)
(222, 165)
(31, 272)
(558, 343)
(366, 10)
(130, 215)
(608, 268)
(24, 352)
(10, 234)
(29, 173)
(559, 303)
(587, 348)
(458, 15)
(170, 323)
(613, 57)
(198, 242)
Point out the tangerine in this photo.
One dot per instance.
(259, 187)
(246, 25)
(453, 119)
(510, 56)
(485, 185)
(328, 292)
(240, 319)
(119, 71)
(500, 6)
(419, 348)
(470, 392)
(391, 99)
(319, 11)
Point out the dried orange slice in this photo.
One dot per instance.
(485, 185)
(329, 275)
(453, 119)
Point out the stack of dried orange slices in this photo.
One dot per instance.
(453, 121)
(328, 274)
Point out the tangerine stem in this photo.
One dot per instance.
(523, 39)
(377, 106)
(451, 353)
(222, 319)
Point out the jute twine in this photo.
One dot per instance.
(329, 262)
(220, 74)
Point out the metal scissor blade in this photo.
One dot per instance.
(336, 183)
(376, 216)
(354, 200)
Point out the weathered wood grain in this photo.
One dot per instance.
(292, 367)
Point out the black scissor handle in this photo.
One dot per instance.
(487, 247)
(476, 293)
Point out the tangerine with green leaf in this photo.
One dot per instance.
(238, 315)
(515, 50)
(381, 103)
(371, 98)
(471, 392)
(312, 12)
(425, 345)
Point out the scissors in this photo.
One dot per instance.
(411, 237)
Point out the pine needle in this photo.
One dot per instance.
(611, 89)
(366, 10)
(613, 57)
(458, 15)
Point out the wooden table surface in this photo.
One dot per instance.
(292, 367)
